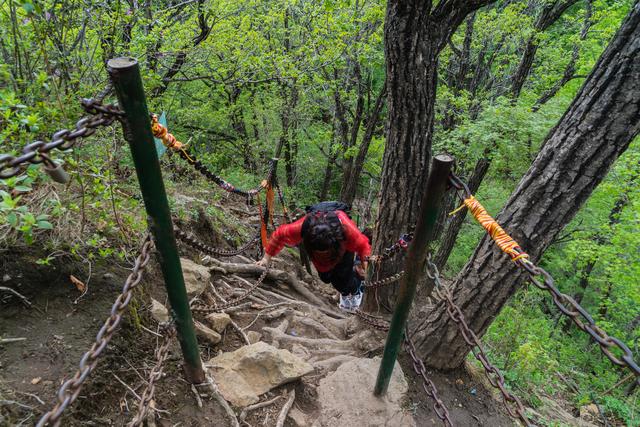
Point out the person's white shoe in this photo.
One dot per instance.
(345, 302)
(356, 300)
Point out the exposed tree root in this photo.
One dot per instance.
(285, 409)
(273, 274)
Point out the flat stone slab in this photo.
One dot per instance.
(243, 375)
(346, 397)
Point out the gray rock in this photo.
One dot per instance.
(345, 397)
(196, 277)
(298, 418)
(252, 370)
(218, 321)
(159, 311)
(206, 333)
(254, 336)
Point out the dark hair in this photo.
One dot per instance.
(323, 231)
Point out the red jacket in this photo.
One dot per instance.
(291, 235)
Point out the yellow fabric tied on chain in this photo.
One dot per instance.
(495, 231)
(169, 141)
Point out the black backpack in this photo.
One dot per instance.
(329, 207)
(324, 207)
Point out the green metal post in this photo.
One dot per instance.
(431, 202)
(125, 75)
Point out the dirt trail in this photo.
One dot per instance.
(57, 332)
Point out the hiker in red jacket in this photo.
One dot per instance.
(331, 239)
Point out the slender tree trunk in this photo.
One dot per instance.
(596, 129)
(181, 57)
(352, 140)
(453, 227)
(290, 98)
(570, 69)
(350, 181)
(550, 13)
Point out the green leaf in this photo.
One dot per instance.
(45, 225)
(28, 7)
(12, 219)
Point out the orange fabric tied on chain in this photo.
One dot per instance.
(162, 134)
(497, 233)
(169, 141)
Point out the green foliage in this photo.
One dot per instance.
(251, 74)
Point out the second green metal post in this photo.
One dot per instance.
(125, 75)
(431, 202)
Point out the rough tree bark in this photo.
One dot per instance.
(415, 34)
(577, 153)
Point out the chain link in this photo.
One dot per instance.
(383, 282)
(429, 387)
(210, 250)
(161, 353)
(511, 402)
(583, 320)
(200, 308)
(568, 306)
(418, 365)
(219, 181)
(389, 252)
(70, 390)
(373, 321)
(36, 152)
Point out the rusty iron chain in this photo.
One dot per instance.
(582, 319)
(191, 159)
(373, 321)
(210, 250)
(568, 306)
(383, 282)
(201, 308)
(161, 353)
(70, 390)
(429, 387)
(512, 403)
(391, 251)
(36, 152)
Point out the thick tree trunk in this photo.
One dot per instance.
(414, 36)
(598, 126)
(411, 85)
